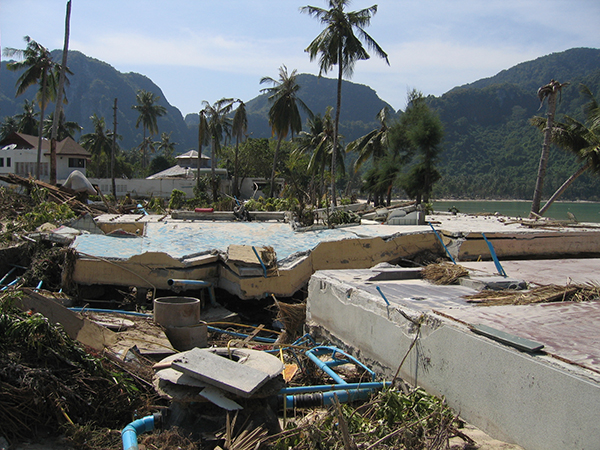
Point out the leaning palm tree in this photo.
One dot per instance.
(372, 145)
(284, 115)
(149, 112)
(549, 92)
(238, 129)
(582, 139)
(203, 139)
(37, 66)
(338, 45)
(218, 126)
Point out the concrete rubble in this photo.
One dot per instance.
(502, 367)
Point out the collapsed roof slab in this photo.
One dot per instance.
(545, 400)
(171, 246)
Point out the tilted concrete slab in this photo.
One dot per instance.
(198, 249)
(540, 401)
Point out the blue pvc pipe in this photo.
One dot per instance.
(333, 387)
(197, 284)
(129, 435)
(7, 275)
(499, 267)
(314, 353)
(326, 398)
(12, 283)
(260, 261)
(442, 242)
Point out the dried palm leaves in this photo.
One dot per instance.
(541, 294)
(443, 273)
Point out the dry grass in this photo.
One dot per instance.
(443, 273)
(541, 294)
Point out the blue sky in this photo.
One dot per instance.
(197, 50)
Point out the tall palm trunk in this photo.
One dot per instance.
(59, 95)
(275, 157)
(236, 190)
(213, 163)
(41, 127)
(336, 126)
(551, 90)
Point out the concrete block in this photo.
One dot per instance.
(492, 282)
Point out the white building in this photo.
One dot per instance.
(18, 155)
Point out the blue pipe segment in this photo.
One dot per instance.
(334, 387)
(129, 435)
(314, 353)
(383, 296)
(7, 275)
(494, 256)
(442, 242)
(197, 284)
(326, 398)
(12, 283)
(260, 261)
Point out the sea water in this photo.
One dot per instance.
(582, 211)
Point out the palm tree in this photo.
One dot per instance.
(548, 91)
(284, 116)
(8, 126)
(59, 100)
(38, 68)
(166, 146)
(338, 45)
(238, 129)
(203, 139)
(27, 120)
(583, 140)
(217, 125)
(149, 112)
(318, 141)
(373, 144)
(64, 129)
(98, 143)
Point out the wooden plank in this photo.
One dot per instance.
(508, 339)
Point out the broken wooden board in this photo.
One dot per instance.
(220, 371)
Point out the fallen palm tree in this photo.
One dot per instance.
(542, 294)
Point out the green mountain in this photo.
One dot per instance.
(93, 88)
(319, 93)
(491, 150)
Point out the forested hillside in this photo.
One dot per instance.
(491, 150)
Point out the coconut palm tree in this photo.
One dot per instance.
(149, 112)
(338, 45)
(27, 120)
(318, 141)
(549, 92)
(9, 125)
(37, 66)
(166, 146)
(373, 144)
(284, 115)
(99, 144)
(65, 128)
(582, 139)
(203, 139)
(217, 126)
(239, 128)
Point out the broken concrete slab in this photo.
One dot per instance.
(494, 386)
(494, 282)
(243, 375)
(77, 327)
